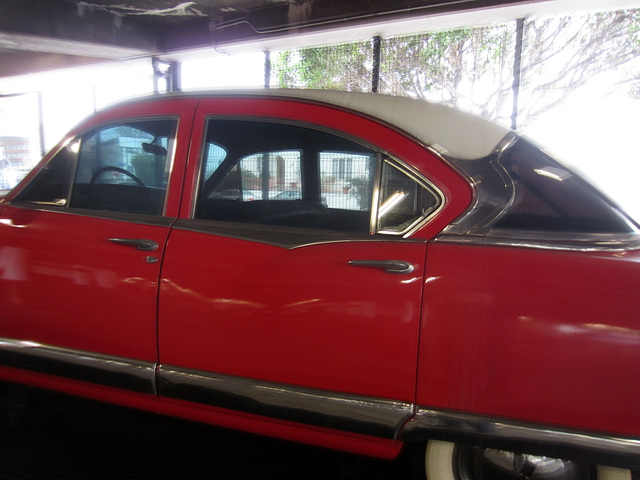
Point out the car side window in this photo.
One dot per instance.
(549, 197)
(52, 184)
(118, 168)
(270, 173)
(262, 176)
(405, 200)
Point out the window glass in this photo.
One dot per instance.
(404, 202)
(52, 184)
(261, 176)
(347, 179)
(214, 155)
(549, 197)
(288, 175)
(120, 168)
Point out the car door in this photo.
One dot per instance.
(81, 249)
(280, 295)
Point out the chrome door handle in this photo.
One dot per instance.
(389, 266)
(139, 243)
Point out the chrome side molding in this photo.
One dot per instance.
(352, 413)
(372, 416)
(108, 370)
(596, 242)
(528, 438)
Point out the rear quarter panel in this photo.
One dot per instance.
(548, 337)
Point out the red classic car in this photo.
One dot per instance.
(355, 271)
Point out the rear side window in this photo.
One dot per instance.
(269, 173)
(549, 197)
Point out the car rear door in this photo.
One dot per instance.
(279, 295)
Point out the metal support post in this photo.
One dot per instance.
(168, 71)
(517, 71)
(267, 69)
(375, 74)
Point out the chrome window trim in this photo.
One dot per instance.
(375, 193)
(97, 368)
(623, 452)
(79, 142)
(336, 410)
(486, 207)
(283, 237)
(171, 157)
(596, 242)
(138, 218)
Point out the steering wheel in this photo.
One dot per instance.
(115, 169)
(101, 202)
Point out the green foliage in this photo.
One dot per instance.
(339, 67)
(472, 68)
(634, 41)
(440, 65)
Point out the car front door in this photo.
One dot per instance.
(81, 249)
(280, 296)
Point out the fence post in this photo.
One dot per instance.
(43, 147)
(375, 74)
(267, 69)
(517, 71)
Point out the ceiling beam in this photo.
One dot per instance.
(13, 64)
(301, 18)
(65, 28)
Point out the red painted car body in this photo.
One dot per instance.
(411, 290)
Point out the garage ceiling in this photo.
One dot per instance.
(39, 35)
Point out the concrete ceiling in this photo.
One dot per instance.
(40, 35)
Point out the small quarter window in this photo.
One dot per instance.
(52, 184)
(405, 202)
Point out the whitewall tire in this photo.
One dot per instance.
(448, 461)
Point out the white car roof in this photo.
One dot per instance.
(452, 132)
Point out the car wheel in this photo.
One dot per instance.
(450, 461)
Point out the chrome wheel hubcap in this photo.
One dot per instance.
(475, 463)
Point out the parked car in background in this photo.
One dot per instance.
(355, 271)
